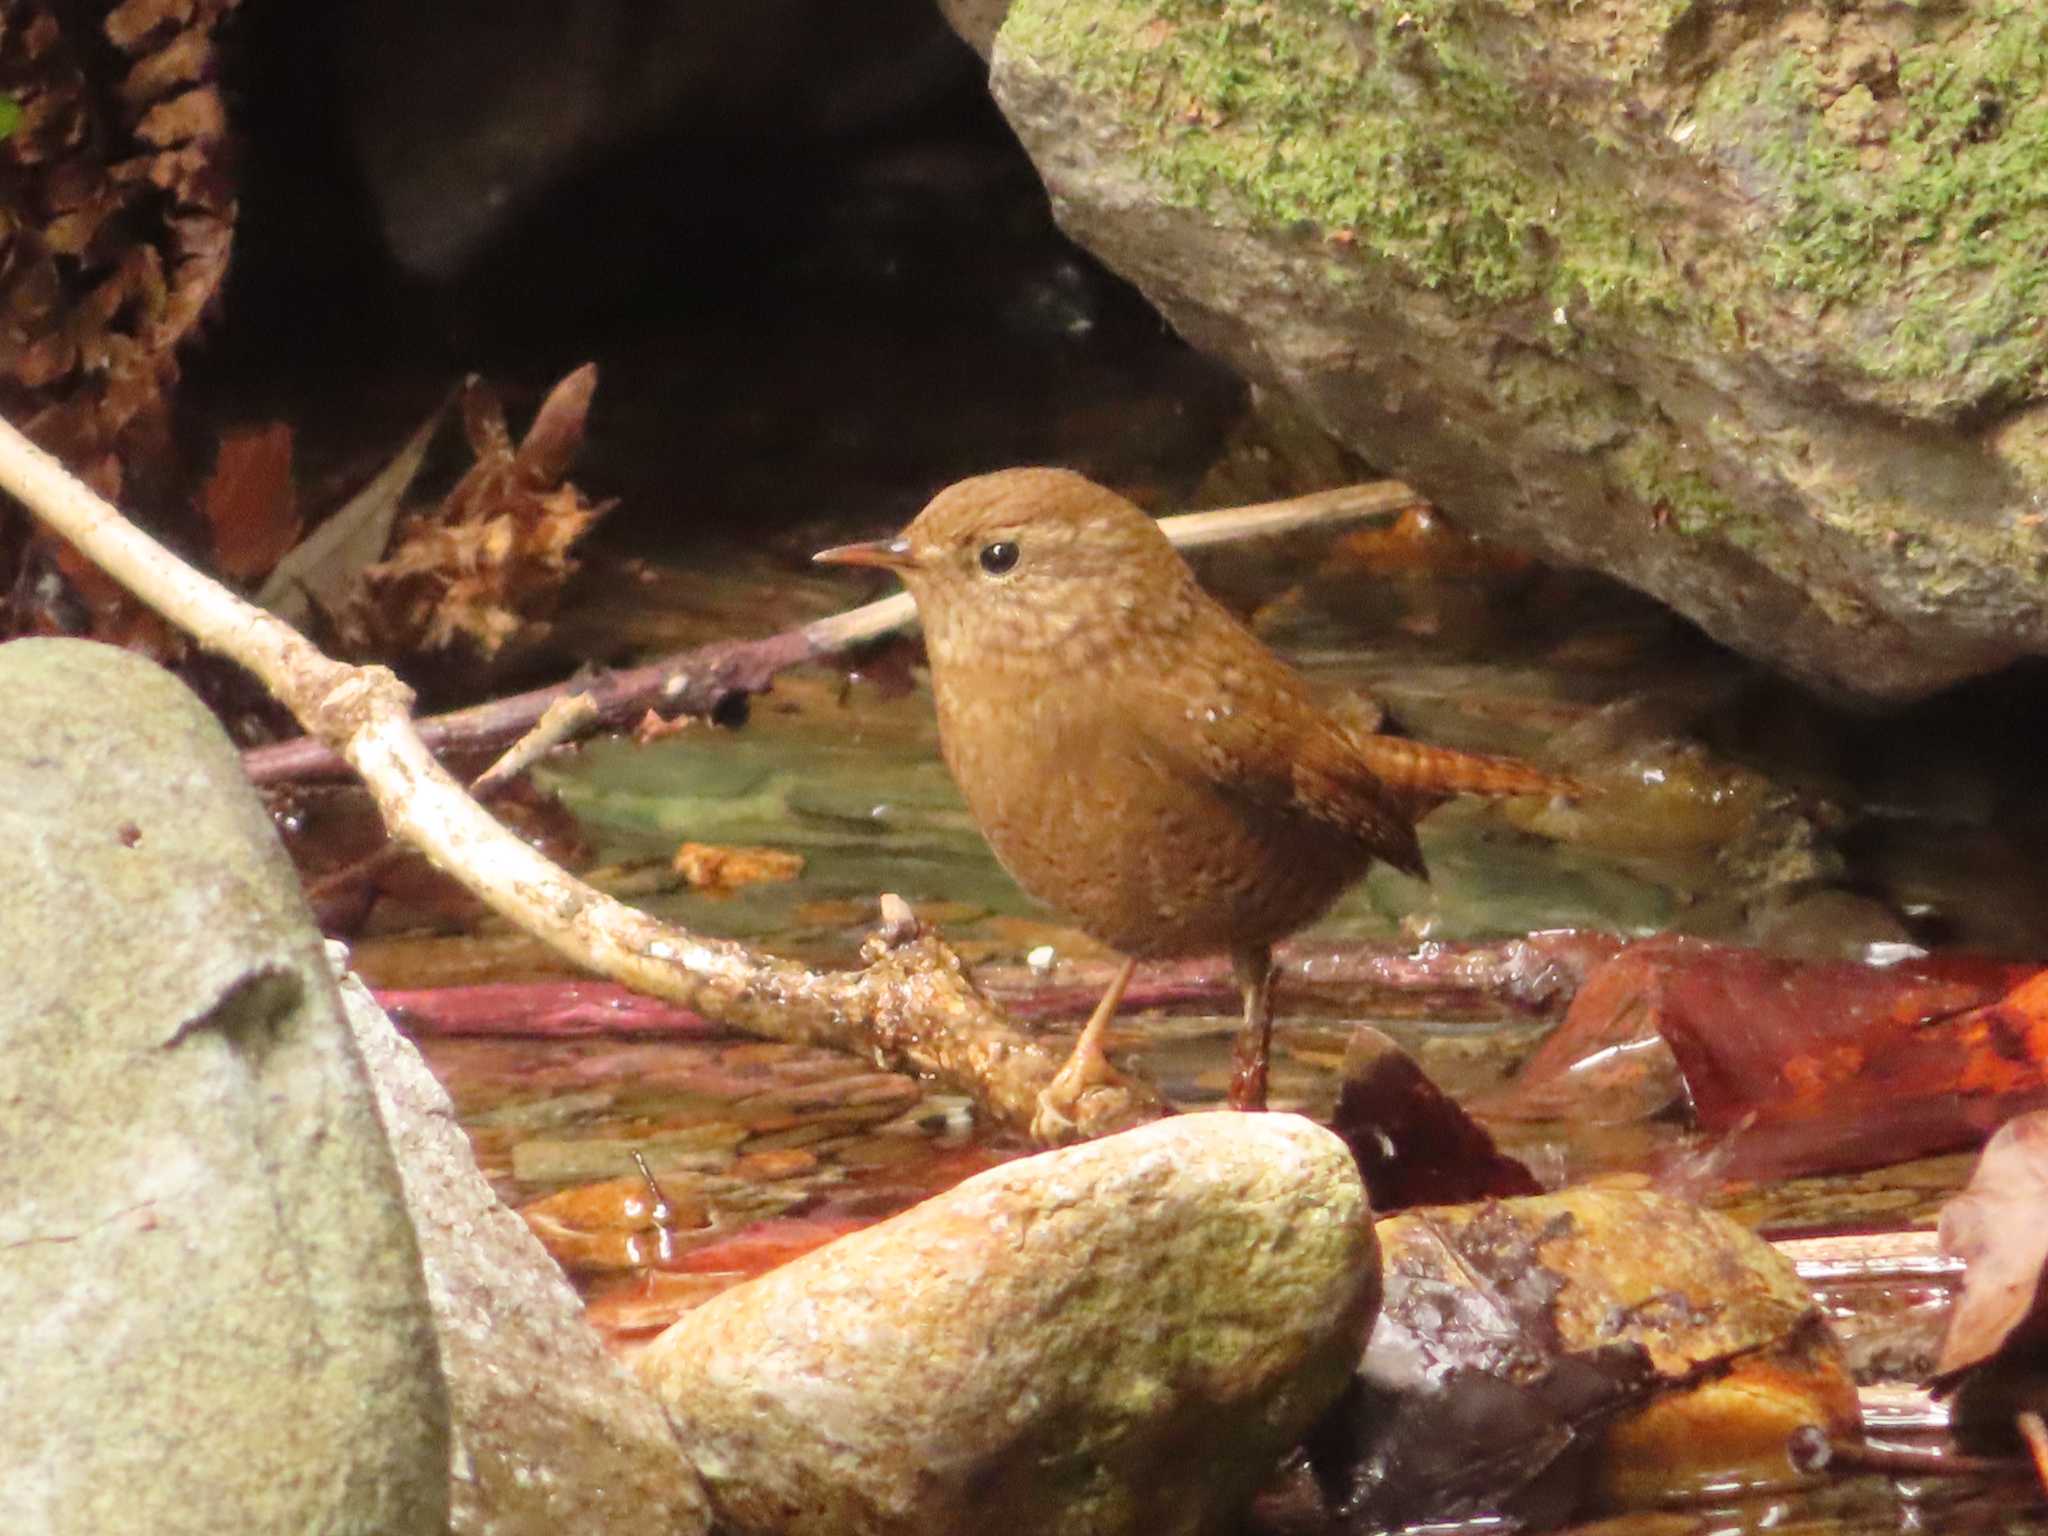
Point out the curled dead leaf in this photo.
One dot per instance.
(479, 575)
(1998, 1227)
(556, 436)
(1415, 1145)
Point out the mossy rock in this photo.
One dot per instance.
(1741, 304)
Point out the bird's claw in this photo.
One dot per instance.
(1061, 1115)
(1247, 1078)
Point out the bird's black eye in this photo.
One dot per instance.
(999, 558)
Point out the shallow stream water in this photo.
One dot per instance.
(1800, 837)
(1782, 841)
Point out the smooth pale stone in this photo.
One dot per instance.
(1120, 1336)
(552, 1437)
(213, 1308)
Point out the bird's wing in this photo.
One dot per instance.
(1285, 755)
(1334, 783)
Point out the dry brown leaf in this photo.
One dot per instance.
(481, 573)
(182, 61)
(717, 871)
(556, 436)
(652, 727)
(616, 1224)
(1415, 1144)
(250, 502)
(1535, 1355)
(198, 114)
(325, 568)
(1998, 1226)
(132, 20)
(483, 423)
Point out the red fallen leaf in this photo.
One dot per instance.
(1998, 1227)
(1820, 1065)
(250, 502)
(1413, 1143)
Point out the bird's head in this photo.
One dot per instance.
(1028, 560)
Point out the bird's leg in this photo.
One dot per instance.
(1254, 967)
(1088, 1067)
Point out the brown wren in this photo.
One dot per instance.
(1136, 757)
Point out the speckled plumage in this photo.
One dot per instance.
(1152, 769)
(1134, 755)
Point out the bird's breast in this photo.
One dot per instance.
(1096, 818)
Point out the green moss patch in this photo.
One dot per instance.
(1919, 193)
(1907, 210)
(1390, 130)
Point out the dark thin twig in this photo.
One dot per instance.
(1813, 1451)
(708, 680)
(704, 682)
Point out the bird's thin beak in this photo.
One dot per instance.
(889, 554)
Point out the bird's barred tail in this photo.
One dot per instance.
(1414, 767)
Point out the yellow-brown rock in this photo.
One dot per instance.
(1116, 1336)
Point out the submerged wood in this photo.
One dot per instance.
(1530, 977)
(706, 680)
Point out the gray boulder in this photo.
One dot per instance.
(551, 1437)
(1742, 304)
(213, 1305)
(1114, 1337)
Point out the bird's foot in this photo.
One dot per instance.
(1062, 1111)
(1254, 1044)
(1247, 1078)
